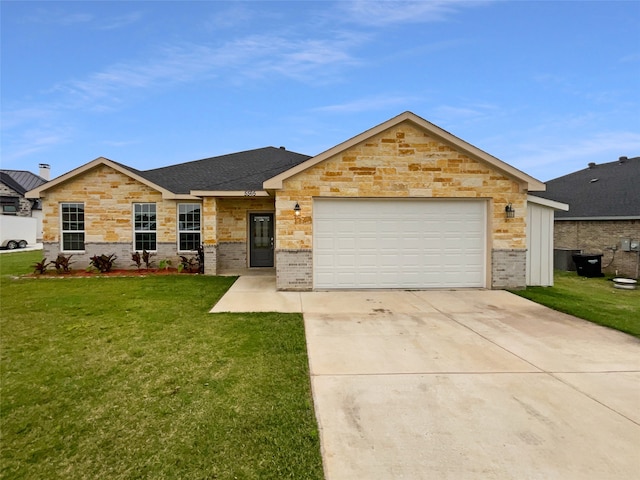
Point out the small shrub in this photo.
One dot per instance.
(137, 259)
(165, 264)
(146, 258)
(62, 263)
(41, 267)
(188, 264)
(103, 263)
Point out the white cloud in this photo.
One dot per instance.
(234, 16)
(368, 104)
(306, 60)
(382, 13)
(34, 141)
(631, 58)
(120, 21)
(575, 153)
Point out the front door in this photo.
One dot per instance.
(261, 242)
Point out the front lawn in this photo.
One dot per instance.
(132, 378)
(594, 299)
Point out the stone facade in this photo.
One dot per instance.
(601, 236)
(402, 162)
(232, 228)
(24, 204)
(108, 198)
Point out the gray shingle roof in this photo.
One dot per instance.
(233, 172)
(601, 190)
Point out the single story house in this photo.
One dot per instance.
(405, 204)
(14, 184)
(604, 217)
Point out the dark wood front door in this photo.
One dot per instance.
(261, 243)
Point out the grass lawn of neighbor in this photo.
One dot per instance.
(594, 299)
(110, 378)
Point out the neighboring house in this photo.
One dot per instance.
(604, 214)
(402, 205)
(14, 184)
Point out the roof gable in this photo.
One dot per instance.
(11, 183)
(607, 190)
(225, 174)
(441, 135)
(130, 172)
(21, 180)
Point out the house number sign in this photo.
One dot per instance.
(250, 193)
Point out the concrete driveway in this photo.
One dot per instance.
(463, 385)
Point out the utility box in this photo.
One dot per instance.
(562, 259)
(625, 244)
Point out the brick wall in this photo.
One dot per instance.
(602, 236)
(123, 251)
(294, 270)
(508, 269)
(232, 255)
(401, 162)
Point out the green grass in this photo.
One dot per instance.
(132, 378)
(594, 299)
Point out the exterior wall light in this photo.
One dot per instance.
(296, 209)
(509, 211)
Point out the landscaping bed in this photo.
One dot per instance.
(111, 273)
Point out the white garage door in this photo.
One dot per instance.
(398, 243)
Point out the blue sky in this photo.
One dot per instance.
(544, 86)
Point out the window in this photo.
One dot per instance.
(144, 220)
(188, 226)
(72, 227)
(9, 205)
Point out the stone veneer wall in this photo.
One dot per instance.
(601, 236)
(400, 162)
(108, 198)
(24, 205)
(231, 219)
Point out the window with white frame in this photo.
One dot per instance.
(72, 221)
(188, 226)
(144, 221)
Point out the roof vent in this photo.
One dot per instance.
(282, 148)
(622, 159)
(592, 164)
(594, 180)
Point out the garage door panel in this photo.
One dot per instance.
(384, 243)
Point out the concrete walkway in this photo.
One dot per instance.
(461, 385)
